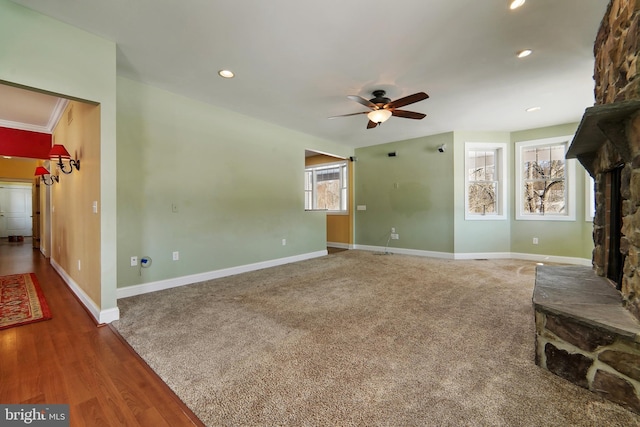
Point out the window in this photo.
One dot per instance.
(545, 184)
(325, 187)
(589, 197)
(485, 177)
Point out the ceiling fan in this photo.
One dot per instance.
(382, 108)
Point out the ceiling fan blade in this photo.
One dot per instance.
(347, 115)
(361, 100)
(371, 124)
(408, 114)
(407, 100)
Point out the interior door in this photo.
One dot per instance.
(15, 210)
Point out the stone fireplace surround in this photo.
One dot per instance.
(588, 331)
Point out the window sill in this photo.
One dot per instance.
(545, 218)
(485, 218)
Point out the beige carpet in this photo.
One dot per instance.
(358, 338)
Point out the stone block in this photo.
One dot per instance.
(625, 181)
(623, 362)
(631, 287)
(583, 337)
(634, 186)
(633, 305)
(633, 256)
(538, 360)
(625, 246)
(570, 366)
(616, 389)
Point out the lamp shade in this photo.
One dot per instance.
(379, 116)
(58, 150)
(41, 170)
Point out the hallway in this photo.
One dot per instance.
(70, 360)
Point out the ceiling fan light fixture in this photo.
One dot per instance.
(379, 116)
(524, 53)
(227, 74)
(514, 4)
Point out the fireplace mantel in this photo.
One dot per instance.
(599, 124)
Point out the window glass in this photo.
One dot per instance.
(326, 187)
(544, 175)
(485, 168)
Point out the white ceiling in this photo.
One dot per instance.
(296, 61)
(29, 110)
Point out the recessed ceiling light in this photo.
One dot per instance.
(6, 157)
(227, 74)
(533, 109)
(514, 4)
(524, 53)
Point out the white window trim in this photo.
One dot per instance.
(570, 181)
(345, 179)
(589, 197)
(502, 174)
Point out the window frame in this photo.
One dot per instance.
(570, 181)
(589, 197)
(344, 186)
(501, 173)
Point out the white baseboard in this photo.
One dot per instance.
(100, 316)
(144, 288)
(553, 258)
(483, 255)
(403, 251)
(479, 255)
(339, 245)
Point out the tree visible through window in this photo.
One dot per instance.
(485, 177)
(326, 187)
(544, 180)
(545, 186)
(483, 183)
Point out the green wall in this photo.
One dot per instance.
(41, 53)
(412, 192)
(479, 236)
(237, 181)
(421, 193)
(237, 184)
(558, 238)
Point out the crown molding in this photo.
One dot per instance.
(54, 118)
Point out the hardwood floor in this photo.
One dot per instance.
(68, 359)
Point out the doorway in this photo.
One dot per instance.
(15, 210)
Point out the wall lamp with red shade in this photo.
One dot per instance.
(41, 171)
(58, 151)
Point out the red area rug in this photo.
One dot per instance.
(21, 301)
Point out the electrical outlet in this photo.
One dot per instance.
(134, 261)
(535, 240)
(176, 256)
(393, 229)
(395, 236)
(284, 242)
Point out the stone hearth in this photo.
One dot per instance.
(585, 335)
(588, 320)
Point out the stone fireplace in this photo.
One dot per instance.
(588, 319)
